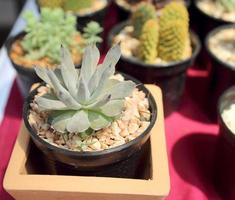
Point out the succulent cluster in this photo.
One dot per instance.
(164, 37)
(67, 5)
(86, 99)
(91, 33)
(227, 5)
(44, 36)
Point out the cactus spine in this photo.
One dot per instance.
(174, 32)
(142, 14)
(77, 5)
(149, 41)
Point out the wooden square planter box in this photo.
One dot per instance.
(24, 181)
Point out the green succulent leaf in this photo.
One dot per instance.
(48, 102)
(98, 121)
(79, 122)
(60, 121)
(112, 108)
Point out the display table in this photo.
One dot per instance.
(191, 136)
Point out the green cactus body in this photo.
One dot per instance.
(174, 11)
(143, 13)
(50, 3)
(149, 41)
(174, 32)
(227, 5)
(172, 40)
(77, 5)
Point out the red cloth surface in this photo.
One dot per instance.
(191, 139)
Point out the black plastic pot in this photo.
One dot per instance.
(224, 174)
(120, 161)
(222, 74)
(170, 77)
(83, 19)
(25, 76)
(124, 12)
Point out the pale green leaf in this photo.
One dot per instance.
(61, 93)
(112, 108)
(98, 121)
(68, 71)
(90, 61)
(59, 123)
(79, 122)
(48, 102)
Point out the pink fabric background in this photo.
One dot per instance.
(191, 138)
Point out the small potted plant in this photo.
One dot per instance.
(40, 42)
(125, 7)
(90, 121)
(84, 10)
(225, 154)
(208, 14)
(158, 49)
(220, 45)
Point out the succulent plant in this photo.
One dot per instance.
(91, 33)
(148, 41)
(227, 5)
(172, 40)
(44, 36)
(174, 31)
(85, 99)
(174, 11)
(50, 3)
(142, 14)
(76, 5)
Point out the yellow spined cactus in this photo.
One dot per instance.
(148, 41)
(142, 14)
(50, 3)
(173, 38)
(174, 11)
(174, 32)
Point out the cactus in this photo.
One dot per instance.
(77, 5)
(174, 11)
(85, 99)
(142, 14)
(227, 5)
(50, 3)
(174, 31)
(149, 41)
(172, 40)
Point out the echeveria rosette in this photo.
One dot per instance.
(87, 98)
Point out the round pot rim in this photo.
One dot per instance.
(219, 20)
(8, 44)
(119, 148)
(213, 33)
(221, 98)
(157, 66)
